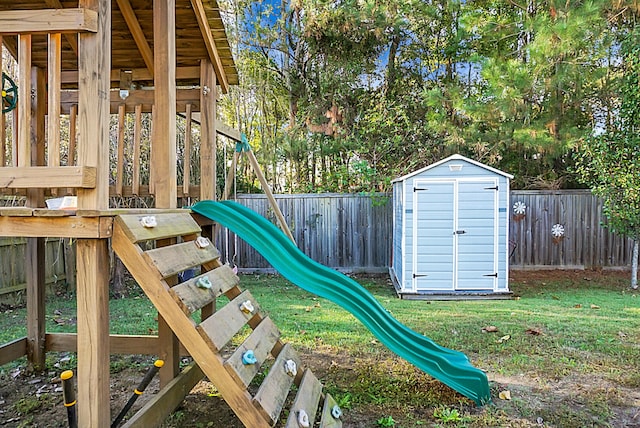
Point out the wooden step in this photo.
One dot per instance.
(168, 225)
(192, 297)
(173, 259)
(220, 327)
(261, 341)
(328, 420)
(275, 388)
(307, 400)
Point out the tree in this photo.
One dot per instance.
(609, 161)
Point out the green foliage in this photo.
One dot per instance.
(386, 421)
(446, 414)
(609, 162)
(346, 96)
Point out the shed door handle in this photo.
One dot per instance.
(459, 232)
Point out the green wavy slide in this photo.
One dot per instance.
(450, 367)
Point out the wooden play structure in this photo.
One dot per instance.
(87, 60)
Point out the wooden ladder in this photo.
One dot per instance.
(207, 341)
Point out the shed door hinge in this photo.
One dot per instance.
(491, 188)
(419, 275)
(495, 275)
(416, 189)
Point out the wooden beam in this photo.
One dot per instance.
(214, 57)
(267, 190)
(48, 177)
(137, 33)
(71, 38)
(139, 75)
(227, 131)
(118, 344)
(146, 98)
(13, 350)
(208, 135)
(56, 227)
(43, 21)
(167, 400)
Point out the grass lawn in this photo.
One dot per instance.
(567, 350)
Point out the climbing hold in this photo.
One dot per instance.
(247, 307)
(290, 368)
(202, 242)
(303, 419)
(248, 358)
(336, 412)
(149, 221)
(203, 282)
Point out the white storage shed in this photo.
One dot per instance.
(450, 231)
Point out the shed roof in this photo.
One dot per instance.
(126, 54)
(450, 158)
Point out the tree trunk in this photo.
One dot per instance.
(634, 266)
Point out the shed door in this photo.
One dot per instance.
(433, 239)
(476, 246)
(454, 240)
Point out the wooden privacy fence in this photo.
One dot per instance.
(59, 260)
(344, 231)
(563, 229)
(353, 232)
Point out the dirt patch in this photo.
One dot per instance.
(28, 400)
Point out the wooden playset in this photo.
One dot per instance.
(87, 60)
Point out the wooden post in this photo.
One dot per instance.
(24, 105)
(267, 190)
(208, 182)
(231, 176)
(186, 161)
(53, 124)
(120, 155)
(73, 116)
(163, 159)
(137, 140)
(14, 139)
(3, 124)
(71, 154)
(164, 126)
(94, 80)
(208, 97)
(35, 250)
(53, 97)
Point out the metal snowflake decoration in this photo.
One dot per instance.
(519, 208)
(557, 230)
